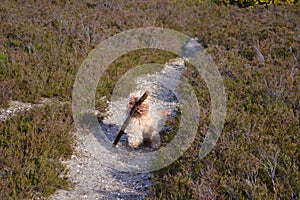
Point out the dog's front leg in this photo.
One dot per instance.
(155, 141)
(135, 136)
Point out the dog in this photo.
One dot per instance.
(143, 126)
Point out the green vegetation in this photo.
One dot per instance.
(31, 148)
(251, 3)
(43, 43)
(257, 156)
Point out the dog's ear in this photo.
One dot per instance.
(132, 101)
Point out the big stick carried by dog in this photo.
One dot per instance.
(132, 112)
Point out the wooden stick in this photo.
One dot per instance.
(132, 111)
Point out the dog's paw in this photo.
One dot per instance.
(135, 143)
(155, 145)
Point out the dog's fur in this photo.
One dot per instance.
(143, 124)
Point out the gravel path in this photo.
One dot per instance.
(91, 175)
(93, 178)
(15, 107)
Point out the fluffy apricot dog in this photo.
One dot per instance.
(143, 124)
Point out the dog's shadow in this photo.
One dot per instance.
(111, 131)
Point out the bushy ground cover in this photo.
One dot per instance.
(32, 146)
(43, 43)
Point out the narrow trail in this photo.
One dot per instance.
(16, 107)
(93, 178)
(93, 175)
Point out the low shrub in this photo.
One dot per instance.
(32, 146)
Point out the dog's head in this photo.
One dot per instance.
(142, 109)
